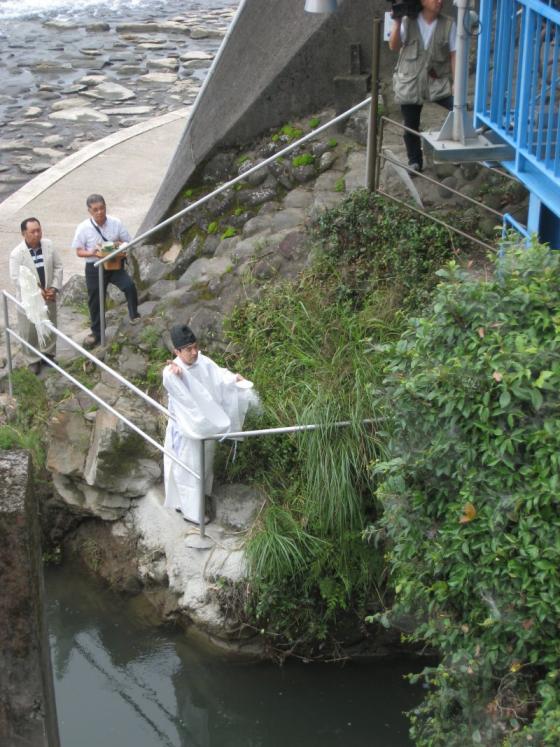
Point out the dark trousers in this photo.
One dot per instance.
(411, 118)
(122, 280)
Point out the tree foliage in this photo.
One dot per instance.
(470, 492)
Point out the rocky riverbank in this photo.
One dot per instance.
(236, 247)
(67, 81)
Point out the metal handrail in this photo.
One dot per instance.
(287, 429)
(200, 443)
(76, 382)
(441, 222)
(100, 363)
(197, 203)
(253, 433)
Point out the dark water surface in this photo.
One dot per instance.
(122, 681)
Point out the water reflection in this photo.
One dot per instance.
(122, 681)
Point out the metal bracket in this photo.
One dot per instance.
(486, 147)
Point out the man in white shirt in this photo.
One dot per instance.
(41, 258)
(425, 68)
(204, 400)
(90, 236)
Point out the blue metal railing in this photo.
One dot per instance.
(518, 83)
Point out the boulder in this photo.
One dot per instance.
(80, 114)
(283, 173)
(111, 92)
(196, 55)
(163, 63)
(301, 197)
(304, 173)
(161, 289)
(131, 364)
(326, 161)
(69, 439)
(203, 270)
(356, 171)
(236, 506)
(255, 178)
(255, 197)
(149, 267)
(157, 78)
(219, 168)
(88, 500)
(117, 459)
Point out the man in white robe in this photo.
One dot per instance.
(204, 400)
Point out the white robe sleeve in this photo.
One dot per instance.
(234, 400)
(197, 414)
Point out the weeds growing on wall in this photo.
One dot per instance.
(27, 429)
(309, 346)
(470, 498)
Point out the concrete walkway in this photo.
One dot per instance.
(126, 167)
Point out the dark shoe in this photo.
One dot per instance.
(415, 166)
(35, 368)
(135, 320)
(90, 342)
(192, 521)
(50, 357)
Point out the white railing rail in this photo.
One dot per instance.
(12, 333)
(227, 185)
(199, 444)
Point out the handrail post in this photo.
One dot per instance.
(8, 345)
(201, 490)
(101, 304)
(371, 153)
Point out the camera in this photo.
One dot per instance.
(410, 8)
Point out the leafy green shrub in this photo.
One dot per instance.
(340, 185)
(28, 428)
(470, 494)
(291, 133)
(306, 159)
(212, 227)
(373, 245)
(229, 232)
(313, 123)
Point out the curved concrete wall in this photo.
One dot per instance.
(277, 62)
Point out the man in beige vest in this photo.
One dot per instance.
(425, 68)
(39, 256)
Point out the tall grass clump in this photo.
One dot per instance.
(27, 429)
(312, 348)
(470, 497)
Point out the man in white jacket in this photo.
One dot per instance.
(42, 259)
(204, 400)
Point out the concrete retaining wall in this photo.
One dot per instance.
(277, 62)
(27, 706)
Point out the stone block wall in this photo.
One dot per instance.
(27, 705)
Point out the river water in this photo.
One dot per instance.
(122, 680)
(75, 9)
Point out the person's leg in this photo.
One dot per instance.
(125, 283)
(92, 285)
(28, 333)
(446, 102)
(411, 118)
(50, 342)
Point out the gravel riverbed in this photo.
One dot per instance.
(72, 73)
